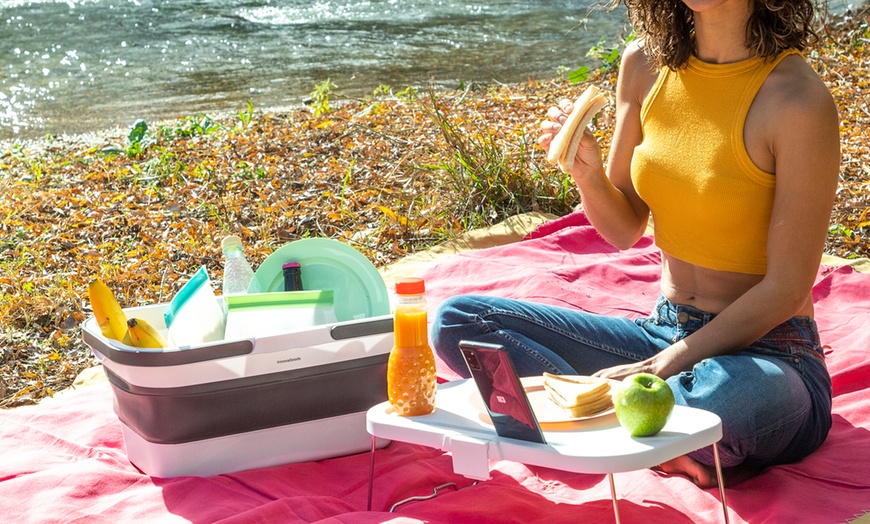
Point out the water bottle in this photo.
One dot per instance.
(238, 275)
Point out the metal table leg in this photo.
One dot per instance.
(719, 479)
(371, 474)
(721, 482)
(613, 496)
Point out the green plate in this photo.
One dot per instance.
(357, 287)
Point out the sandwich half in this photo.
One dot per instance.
(578, 397)
(564, 146)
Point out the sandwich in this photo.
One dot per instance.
(578, 397)
(564, 146)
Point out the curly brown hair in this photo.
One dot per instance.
(667, 28)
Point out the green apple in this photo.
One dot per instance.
(643, 404)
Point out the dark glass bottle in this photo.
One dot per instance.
(292, 276)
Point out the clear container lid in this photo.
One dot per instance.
(231, 240)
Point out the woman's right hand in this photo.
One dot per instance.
(552, 124)
(588, 158)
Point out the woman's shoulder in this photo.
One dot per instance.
(637, 72)
(636, 60)
(797, 115)
(794, 87)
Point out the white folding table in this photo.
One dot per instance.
(459, 426)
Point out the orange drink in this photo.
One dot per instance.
(411, 379)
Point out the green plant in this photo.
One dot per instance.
(607, 56)
(408, 94)
(197, 126)
(344, 185)
(247, 171)
(36, 172)
(138, 141)
(382, 90)
(490, 178)
(563, 71)
(246, 115)
(841, 230)
(320, 97)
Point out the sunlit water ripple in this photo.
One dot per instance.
(77, 65)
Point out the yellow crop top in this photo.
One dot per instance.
(710, 203)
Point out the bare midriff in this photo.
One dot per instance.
(708, 289)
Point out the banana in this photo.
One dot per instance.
(110, 317)
(144, 335)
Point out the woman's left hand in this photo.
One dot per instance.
(663, 364)
(620, 372)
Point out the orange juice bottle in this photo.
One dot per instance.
(411, 369)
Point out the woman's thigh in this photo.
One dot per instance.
(540, 337)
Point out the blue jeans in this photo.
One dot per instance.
(774, 397)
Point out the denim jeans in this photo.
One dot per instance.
(774, 397)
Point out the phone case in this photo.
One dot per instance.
(506, 402)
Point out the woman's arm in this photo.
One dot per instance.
(804, 143)
(608, 198)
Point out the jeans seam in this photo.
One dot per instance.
(529, 350)
(785, 422)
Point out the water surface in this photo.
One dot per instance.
(70, 66)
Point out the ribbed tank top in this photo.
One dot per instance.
(710, 203)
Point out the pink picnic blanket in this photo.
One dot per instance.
(64, 460)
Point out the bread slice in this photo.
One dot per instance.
(589, 408)
(578, 397)
(564, 146)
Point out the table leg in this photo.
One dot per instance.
(613, 496)
(371, 474)
(721, 482)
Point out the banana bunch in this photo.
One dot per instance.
(113, 322)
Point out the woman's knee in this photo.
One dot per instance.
(762, 403)
(741, 386)
(463, 316)
(457, 318)
(462, 309)
(454, 312)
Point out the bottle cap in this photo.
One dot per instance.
(289, 265)
(231, 240)
(410, 286)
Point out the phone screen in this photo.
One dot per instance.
(493, 371)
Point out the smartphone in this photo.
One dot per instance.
(506, 402)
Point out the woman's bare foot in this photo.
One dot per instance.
(703, 476)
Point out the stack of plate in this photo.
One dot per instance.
(358, 289)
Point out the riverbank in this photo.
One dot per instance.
(390, 174)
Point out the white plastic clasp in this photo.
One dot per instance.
(470, 456)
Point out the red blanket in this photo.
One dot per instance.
(64, 460)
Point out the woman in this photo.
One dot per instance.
(730, 140)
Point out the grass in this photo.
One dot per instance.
(493, 177)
